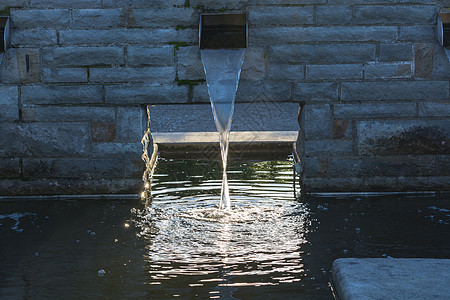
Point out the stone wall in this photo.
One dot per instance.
(371, 79)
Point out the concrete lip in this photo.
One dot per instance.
(391, 278)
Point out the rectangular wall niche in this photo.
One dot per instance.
(223, 31)
(443, 29)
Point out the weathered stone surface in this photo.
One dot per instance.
(9, 106)
(103, 132)
(353, 2)
(321, 91)
(33, 37)
(443, 165)
(395, 90)
(83, 56)
(45, 139)
(342, 129)
(200, 94)
(57, 94)
(280, 15)
(398, 14)
(254, 66)
(423, 60)
(96, 18)
(69, 75)
(285, 72)
(335, 72)
(250, 90)
(150, 56)
(164, 17)
(374, 110)
(9, 167)
(422, 183)
(292, 2)
(333, 15)
(316, 167)
(45, 18)
(13, 3)
(295, 35)
(146, 94)
(20, 65)
(140, 75)
(51, 4)
(318, 123)
(352, 184)
(403, 137)
(130, 124)
(329, 147)
(223, 4)
(322, 53)
(67, 114)
(117, 150)
(396, 52)
(190, 65)
(434, 109)
(418, 33)
(142, 3)
(387, 71)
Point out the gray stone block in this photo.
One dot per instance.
(322, 53)
(333, 15)
(329, 148)
(394, 14)
(254, 66)
(226, 5)
(334, 72)
(164, 17)
(69, 75)
(353, 2)
(97, 18)
(150, 56)
(387, 70)
(83, 56)
(190, 65)
(20, 65)
(9, 167)
(45, 140)
(322, 91)
(33, 37)
(297, 35)
(292, 2)
(396, 52)
(45, 18)
(51, 4)
(68, 114)
(9, 103)
(434, 109)
(130, 124)
(374, 110)
(349, 184)
(200, 94)
(13, 3)
(318, 121)
(403, 137)
(56, 94)
(286, 72)
(418, 33)
(395, 90)
(280, 15)
(141, 3)
(146, 94)
(136, 75)
(421, 183)
(423, 60)
(117, 150)
(259, 91)
(443, 165)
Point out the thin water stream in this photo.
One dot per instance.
(222, 69)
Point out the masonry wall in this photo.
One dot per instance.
(371, 79)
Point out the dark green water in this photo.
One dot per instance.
(269, 246)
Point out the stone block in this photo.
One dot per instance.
(322, 91)
(329, 148)
(286, 72)
(396, 52)
(9, 168)
(353, 2)
(97, 18)
(296, 35)
(36, 18)
(138, 56)
(443, 165)
(380, 184)
(321, 185)
(345, 167)
(434, 109)
(423, 60)
(68, 114)
(164, 17)
(316, 167)
(397, 166)
(395, 90)
(9, 103)
(322, 53)
(387, 70)
(20, 65)
(418, 33)
(13, 3)
(342, 129)
(142, 3)
(254, 66)
(51, 4)
(403, 137)
(334, 72)
(200, 94)
(33, 37)
(60, 75)
(45, 139)
(146, 94)
(422, 183)
(262, 16)
(137, 75)
(318, 121)
(292, 2)
(221, 5)
(190, 65)
(374, 110)
(250, 90)
(130, 124)
(83, 56)
(103, 132)
(394, 14)
(333, 15)
(57, 94)
(117, 150)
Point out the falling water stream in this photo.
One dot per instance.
(222, 69)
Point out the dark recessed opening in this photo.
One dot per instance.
(223, 31)
(444, 29)
(4, 33)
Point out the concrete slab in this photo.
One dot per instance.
(391, 278)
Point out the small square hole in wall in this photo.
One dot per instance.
(443, 29)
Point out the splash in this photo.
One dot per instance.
(222, 69)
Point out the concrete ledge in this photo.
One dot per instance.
(391, 278)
